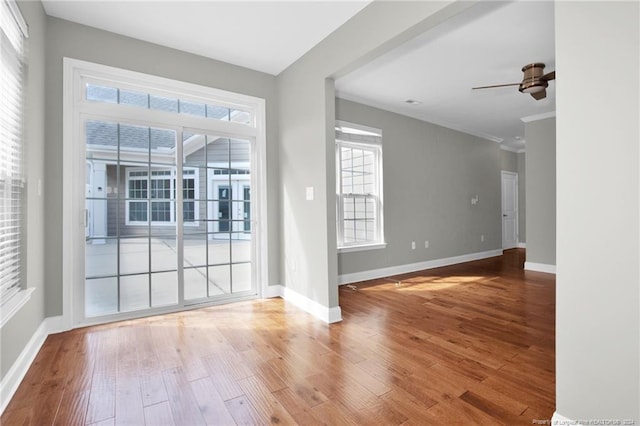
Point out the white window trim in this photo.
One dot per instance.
(173, 182)
(365, 138)
(74, 109)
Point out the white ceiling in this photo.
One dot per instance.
(488, 44)
(266, 36)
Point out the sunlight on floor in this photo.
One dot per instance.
(425, 283)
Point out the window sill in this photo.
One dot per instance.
(13, 305)
(349, 249)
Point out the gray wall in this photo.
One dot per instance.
(598, 279)
(430, 174)
(67, 39)
(508, 161)
(16, 333)
(541, 191)
(307, 142)
(522, 198)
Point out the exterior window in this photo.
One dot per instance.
(153, 196)
(359, 186)
(13, 32)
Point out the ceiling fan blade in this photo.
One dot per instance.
(539, 95)
(495, 85)
(549, 76)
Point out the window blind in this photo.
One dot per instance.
(13, 32)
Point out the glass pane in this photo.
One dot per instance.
(101, 296)
(102, 93)
(134, 292)
(193, 150)
(240, 155)
(134, 255)
(192, 108)
(240, 116)
(219, 249)
(220, 279)
(163, 104)
(139, 99)
(241, 248)
(99, 135)
(101, 257)
(163, 146)
(195, 283)
(164, 253)
(241, 276)
(133, 138)
(218, 152)
(195, 250)
(164, 289)
(218, 112)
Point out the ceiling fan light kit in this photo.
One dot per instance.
(534, 81)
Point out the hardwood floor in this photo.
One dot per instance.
(466, 344)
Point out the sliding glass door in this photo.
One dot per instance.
(167, 224)
(164, 189)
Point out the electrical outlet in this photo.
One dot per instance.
(413, 245)
(426, 243)
(482, 238)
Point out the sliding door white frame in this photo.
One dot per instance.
(76, 109)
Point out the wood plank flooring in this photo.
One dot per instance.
(466, 344)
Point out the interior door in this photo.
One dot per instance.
(509, 210)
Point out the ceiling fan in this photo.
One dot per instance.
(534, 81)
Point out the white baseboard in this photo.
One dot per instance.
(413, 267)
(18, 370)
(522, 245)
(559, 420)
(328, 315)
(272, 291)
(540, 267)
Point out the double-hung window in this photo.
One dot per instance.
(359, 187)
(151, 196)
(13, 33)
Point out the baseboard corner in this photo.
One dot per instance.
(540, 267)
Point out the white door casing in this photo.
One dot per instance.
(509, 210)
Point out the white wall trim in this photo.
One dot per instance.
(537, 117)
(559, 419)
(540, 267)
(14, 304)
(522, 245)
(272, 291)
(413, 267)
(18, 370)
(328, 315)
